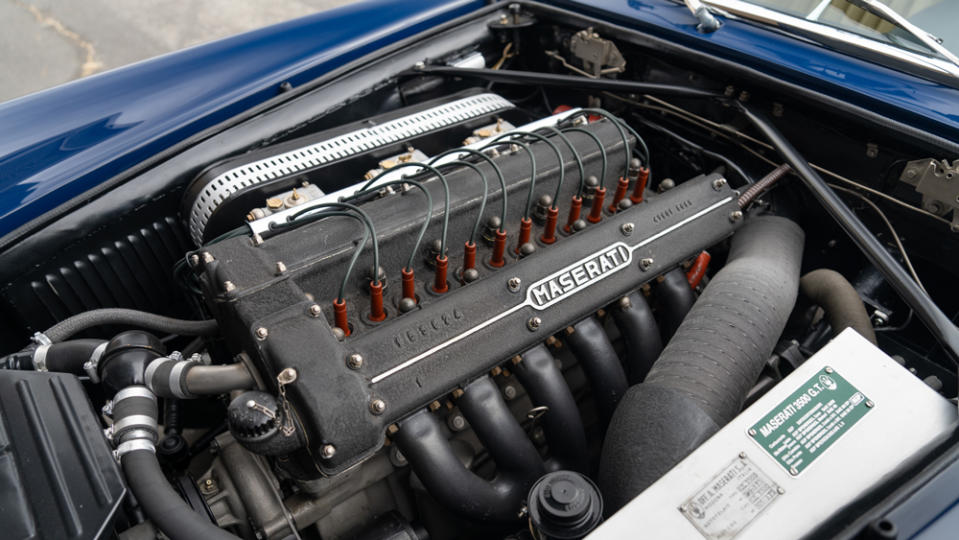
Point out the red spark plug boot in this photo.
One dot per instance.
(621, 188)
(409, 284)
(439, 283)
(339, 316)
(499, 249)
(641, 178)
(596, 212)
(698, 269)
(525, 230)
(469, 255)
(575, 208)
(549, 232)
(376, 302)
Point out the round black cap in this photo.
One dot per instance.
(564, 505)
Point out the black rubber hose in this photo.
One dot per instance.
(939, 325)
(212, 380)
(69, 356)
(425, 446)
(562, 424)
(674, 298)
(636, 324)
(162, 504)
(128, 317)
(700, 381)
(595, 353)
(832, 292)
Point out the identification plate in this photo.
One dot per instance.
(731, 500)
(810, 420)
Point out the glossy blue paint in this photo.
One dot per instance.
(59, 143)
(907, 98)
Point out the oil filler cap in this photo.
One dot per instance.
(564, 505)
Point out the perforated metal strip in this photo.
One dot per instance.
(337, 148)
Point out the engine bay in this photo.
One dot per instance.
(500, 292)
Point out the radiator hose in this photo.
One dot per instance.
(839, 300)
(701, 379)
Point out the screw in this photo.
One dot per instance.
(206, 257)
(682, 509)
(354, 361)
(194, 259)
(793, 471)
(456, 422)
(257, 239)
(627, 228)
(735, 215)
(719, 183)
(228, 286)
(625, 303)
(327, 451)
(870, 404)
(261, 333)
(780, 490)
(338, 333)
(208, 487)
(828, 369)
(286, 376)
(742, 455)
(509, 391)
(533, 323)
(513, 284)
(752, 432)
(315, 310)
(280, 267)
(377, 406)
(251, 404)
(392, 429)
(645, 263)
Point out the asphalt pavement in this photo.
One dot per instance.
(44, 43)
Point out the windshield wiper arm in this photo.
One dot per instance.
(882, 10)
(707, 21)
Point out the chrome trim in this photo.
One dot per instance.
(747, 10)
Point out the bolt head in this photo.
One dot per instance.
(194, 259)
(735, 215)
(229, 286)
(752, 432)
(870, 404)
(251, 404)
(780, 490)
(793, 471)
(338, 333)
(327, 451)
(828, 369)
(287, 376)
(262, 333)
(646, 263)
(509, 391)
(719, 183)
(315, 310)
(625, 303)
(206, 257)
(406, 305)
(457, 422)
(470, 275)
(377, 406)
(534, 323)
(280, 267)
(627, 228)
(513, 284)
(354, 361)
(579, 225)
(257, 239)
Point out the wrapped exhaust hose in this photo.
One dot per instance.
(674, 298)
(429, 453)
(699, 382)
(128, 317)
(562, 424)
(184, 379)
(832, 292)
(640, 333)
(595, 353)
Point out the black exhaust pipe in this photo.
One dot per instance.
(595, 353)
(636, 324)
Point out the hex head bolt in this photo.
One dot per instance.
(499, 249)
(525, 231)
(622, 186)
(641, 178)
(549, 231)
(439, 283)
(596, 212)
(376, 302)
(339, 316)
(409, 284)
(575, 207)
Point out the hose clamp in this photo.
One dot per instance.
(91, 365)
(141, 421)
(131, 446)
(134, 391)
(177, 379)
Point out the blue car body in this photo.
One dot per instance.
(58, 144)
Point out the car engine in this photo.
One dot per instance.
(471, 302)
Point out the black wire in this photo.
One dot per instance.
(496, 169)
(619, 126)
(602, 153)
(730, 163)
(576, 156)
(482, 207)
(532, 161)
(446, 191)
(559, 158)
(426, 220)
